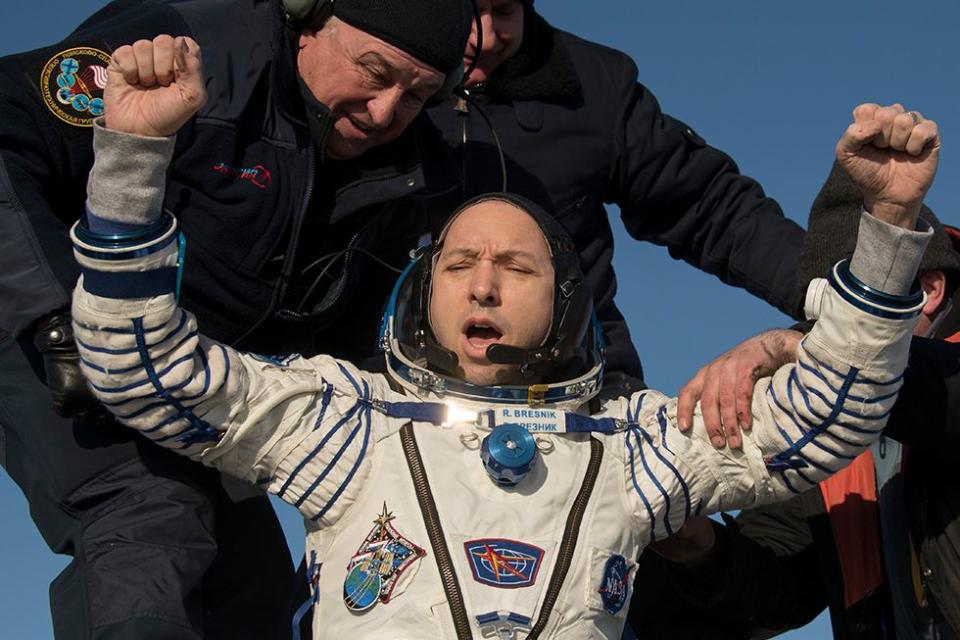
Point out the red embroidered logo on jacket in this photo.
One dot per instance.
(259, 176)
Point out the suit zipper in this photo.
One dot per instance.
(431, 518)
(568, 544)
(448, 576)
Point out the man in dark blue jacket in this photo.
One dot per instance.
(276, 171)
(564, 122)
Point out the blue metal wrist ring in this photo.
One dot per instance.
(872, 301)
(125, 246)
(122, 240)
(875, 295)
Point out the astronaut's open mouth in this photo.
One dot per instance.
(483, 332)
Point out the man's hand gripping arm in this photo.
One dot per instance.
(813, 417)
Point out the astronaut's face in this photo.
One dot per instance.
(492, 282)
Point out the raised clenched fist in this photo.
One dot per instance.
(154, 86)
(891, 155)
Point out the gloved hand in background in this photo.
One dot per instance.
(53, 337)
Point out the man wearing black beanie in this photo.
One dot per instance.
(305, 139)
(394, 64)
(432, 31)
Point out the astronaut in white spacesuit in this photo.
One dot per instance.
(487, 488)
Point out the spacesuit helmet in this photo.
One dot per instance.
(567, 364)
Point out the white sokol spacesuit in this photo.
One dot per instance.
(407, 534)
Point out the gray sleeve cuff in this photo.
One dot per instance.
(129, 175)
(887, 256)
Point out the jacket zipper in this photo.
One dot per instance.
(292, 246)
(463, 113)
(346, 267)
(431, 518)
(568, 544)
(296, 314)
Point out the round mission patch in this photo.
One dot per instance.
(72, 83)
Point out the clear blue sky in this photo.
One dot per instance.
(771, 83)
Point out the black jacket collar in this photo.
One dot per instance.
(541, 70)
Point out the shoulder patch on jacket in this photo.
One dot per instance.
(71, 84)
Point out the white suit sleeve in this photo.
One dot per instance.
(303, 429)
(811, 418)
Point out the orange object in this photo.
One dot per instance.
(850, 497)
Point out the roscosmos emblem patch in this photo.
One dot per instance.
(72, 83)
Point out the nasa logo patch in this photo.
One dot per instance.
(502, 563)
(613, 591)
(72, 84)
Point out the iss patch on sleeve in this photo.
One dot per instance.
(375, 569)
(71, 84)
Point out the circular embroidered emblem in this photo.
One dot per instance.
(362, 587)
(72, 85)
(613, 590)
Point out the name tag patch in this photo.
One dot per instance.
(538, 420)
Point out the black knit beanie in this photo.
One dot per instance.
(832, 232)
(432, 31)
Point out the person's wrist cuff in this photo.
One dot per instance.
(128, 179)
(143, 265)
(887, 256)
